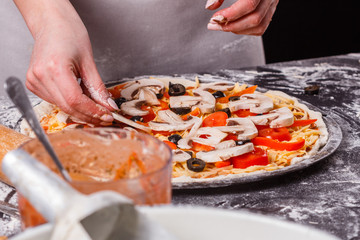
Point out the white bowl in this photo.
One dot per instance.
(211, 224)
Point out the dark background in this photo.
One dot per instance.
(302, 29)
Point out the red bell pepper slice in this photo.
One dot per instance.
(237, 94)
(298, 123)
(221, 164)
(277, 145)
(198, 147)
(171, 145)
(281, 134)
(195, 112)
(256, 157)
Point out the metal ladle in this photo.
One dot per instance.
(16, 91)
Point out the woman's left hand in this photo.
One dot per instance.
(250, 17)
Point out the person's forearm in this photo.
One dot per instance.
(37, 13)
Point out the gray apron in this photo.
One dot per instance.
(138, 37)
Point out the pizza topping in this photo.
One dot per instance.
(217, 86)
(281, 117)
(218, 94)
(224, 154)
(180, 104)
(243, 127)
(164, 126)
(208, 136)
(215, 119)
(303, 122)
(131, 90)
(180, 155)
(169, 117)
(120, 101)
(184, 143)
(195, 164)
(277, 145)
(256, 157)
(226, 110)
(174, 138)
(123, 119)
(257, 103)
(132, 108)
(241, 142)
(281, 134)
(137, 119)
(208, 101)
(149, 96)
(176, 89)
(226, 144)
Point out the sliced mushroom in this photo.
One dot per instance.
(207, 103)
(257, 103)
(226, 144)
(123, 119)
(208, 136)
(184, 101)
(132, 108)
(224, 154)
(169, 116)
(180, 155)
(249, 129)
(217, 86)
(281, 117)
(184, 142)
(172, 126)
(132, 90)
(149, 96)
(244, 128)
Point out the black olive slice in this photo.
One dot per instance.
(137, 119)
(176, 89)
(159, 95)
(195, 164)
(120, 101)
(312, 89)
(181, 110)
(218, 94)
(234, 98)
(174, 138)
(241, 142)
(226, 110)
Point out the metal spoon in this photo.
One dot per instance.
(16, 91)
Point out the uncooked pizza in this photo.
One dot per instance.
(215, 129)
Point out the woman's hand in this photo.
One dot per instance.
(250, 17)
(62, 54)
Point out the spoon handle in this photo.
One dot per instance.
(17, 94)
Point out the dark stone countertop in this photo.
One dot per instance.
(325, 195)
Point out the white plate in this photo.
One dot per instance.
(189, 223)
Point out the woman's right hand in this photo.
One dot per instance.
(62, 54)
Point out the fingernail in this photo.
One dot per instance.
(218, 19)
(106, 118)
(209, 3)
(214, 26)
(112, 104)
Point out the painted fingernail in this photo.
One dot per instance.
(218, 19)
(112, 104)
(209, 3)
(106, 118)
(214, 26)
